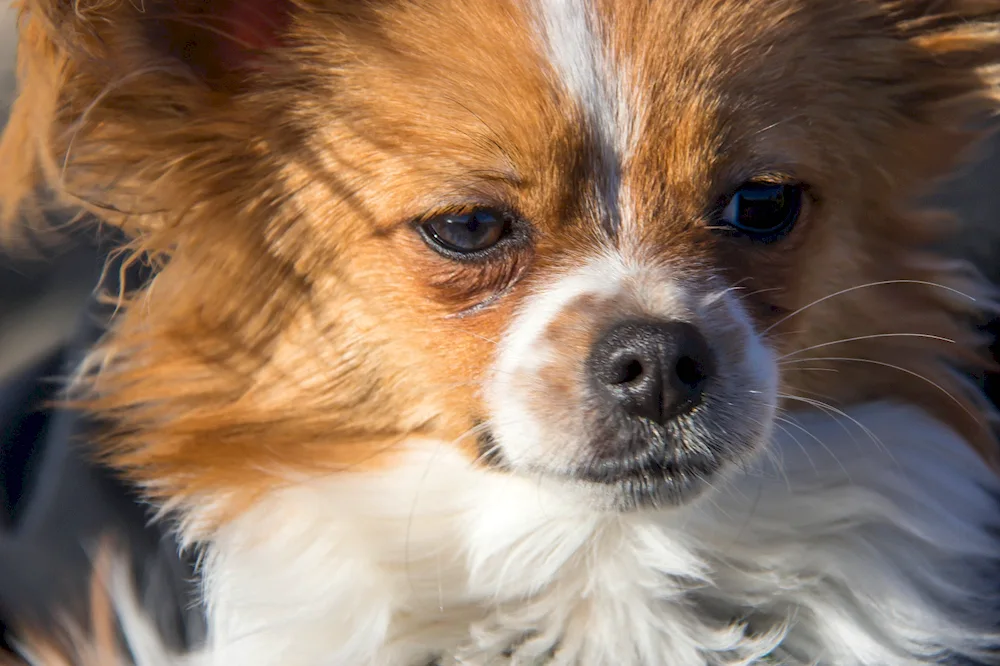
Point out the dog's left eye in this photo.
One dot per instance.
(764, 211)
(466, 233)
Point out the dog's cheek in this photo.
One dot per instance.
(424, 366)
(446, 369)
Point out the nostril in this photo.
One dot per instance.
(690, 372)
(629, 371)
(651, 369)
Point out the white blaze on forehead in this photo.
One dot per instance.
(601, 84)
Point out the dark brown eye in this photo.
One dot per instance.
(763, 211)
(466, 233)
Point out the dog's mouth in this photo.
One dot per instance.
(653, 490)
(656, 476)
(652, 479)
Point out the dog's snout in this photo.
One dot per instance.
(652, 370)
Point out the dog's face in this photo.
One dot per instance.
(582, 239)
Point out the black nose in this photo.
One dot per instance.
(654, 370)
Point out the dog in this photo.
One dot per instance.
(536, 331)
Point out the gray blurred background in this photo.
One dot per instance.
(41, 296)
(41, 293)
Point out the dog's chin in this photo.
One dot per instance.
(636, 483)
(627, 486)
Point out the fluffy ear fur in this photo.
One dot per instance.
(949, 76)
(955, 58)
(119, 99)
(149, 115)
(156, 117)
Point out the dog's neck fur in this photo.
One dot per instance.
(865, 538)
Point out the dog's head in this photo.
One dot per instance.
(602, 241)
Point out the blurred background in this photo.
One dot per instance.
(41, 292)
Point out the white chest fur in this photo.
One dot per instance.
(843, 546)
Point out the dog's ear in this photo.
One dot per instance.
(114, 93)
(954, 55)
(933, 69)
(950, 58)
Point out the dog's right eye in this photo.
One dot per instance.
(466, 233)
(763, 211)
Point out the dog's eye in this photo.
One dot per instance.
(466, 233)
(763, 211)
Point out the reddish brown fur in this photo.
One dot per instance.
(298, 322)
(561, 384)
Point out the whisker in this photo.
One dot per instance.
(868, 285)
(893, 367)
(831, 410)
(469, 333)
(867, 337)
(738, 284)
(770, 127)
(772, 455)
(757, 292)
(754, 505)
(823, 444)
(805, 451)
(481, 337)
